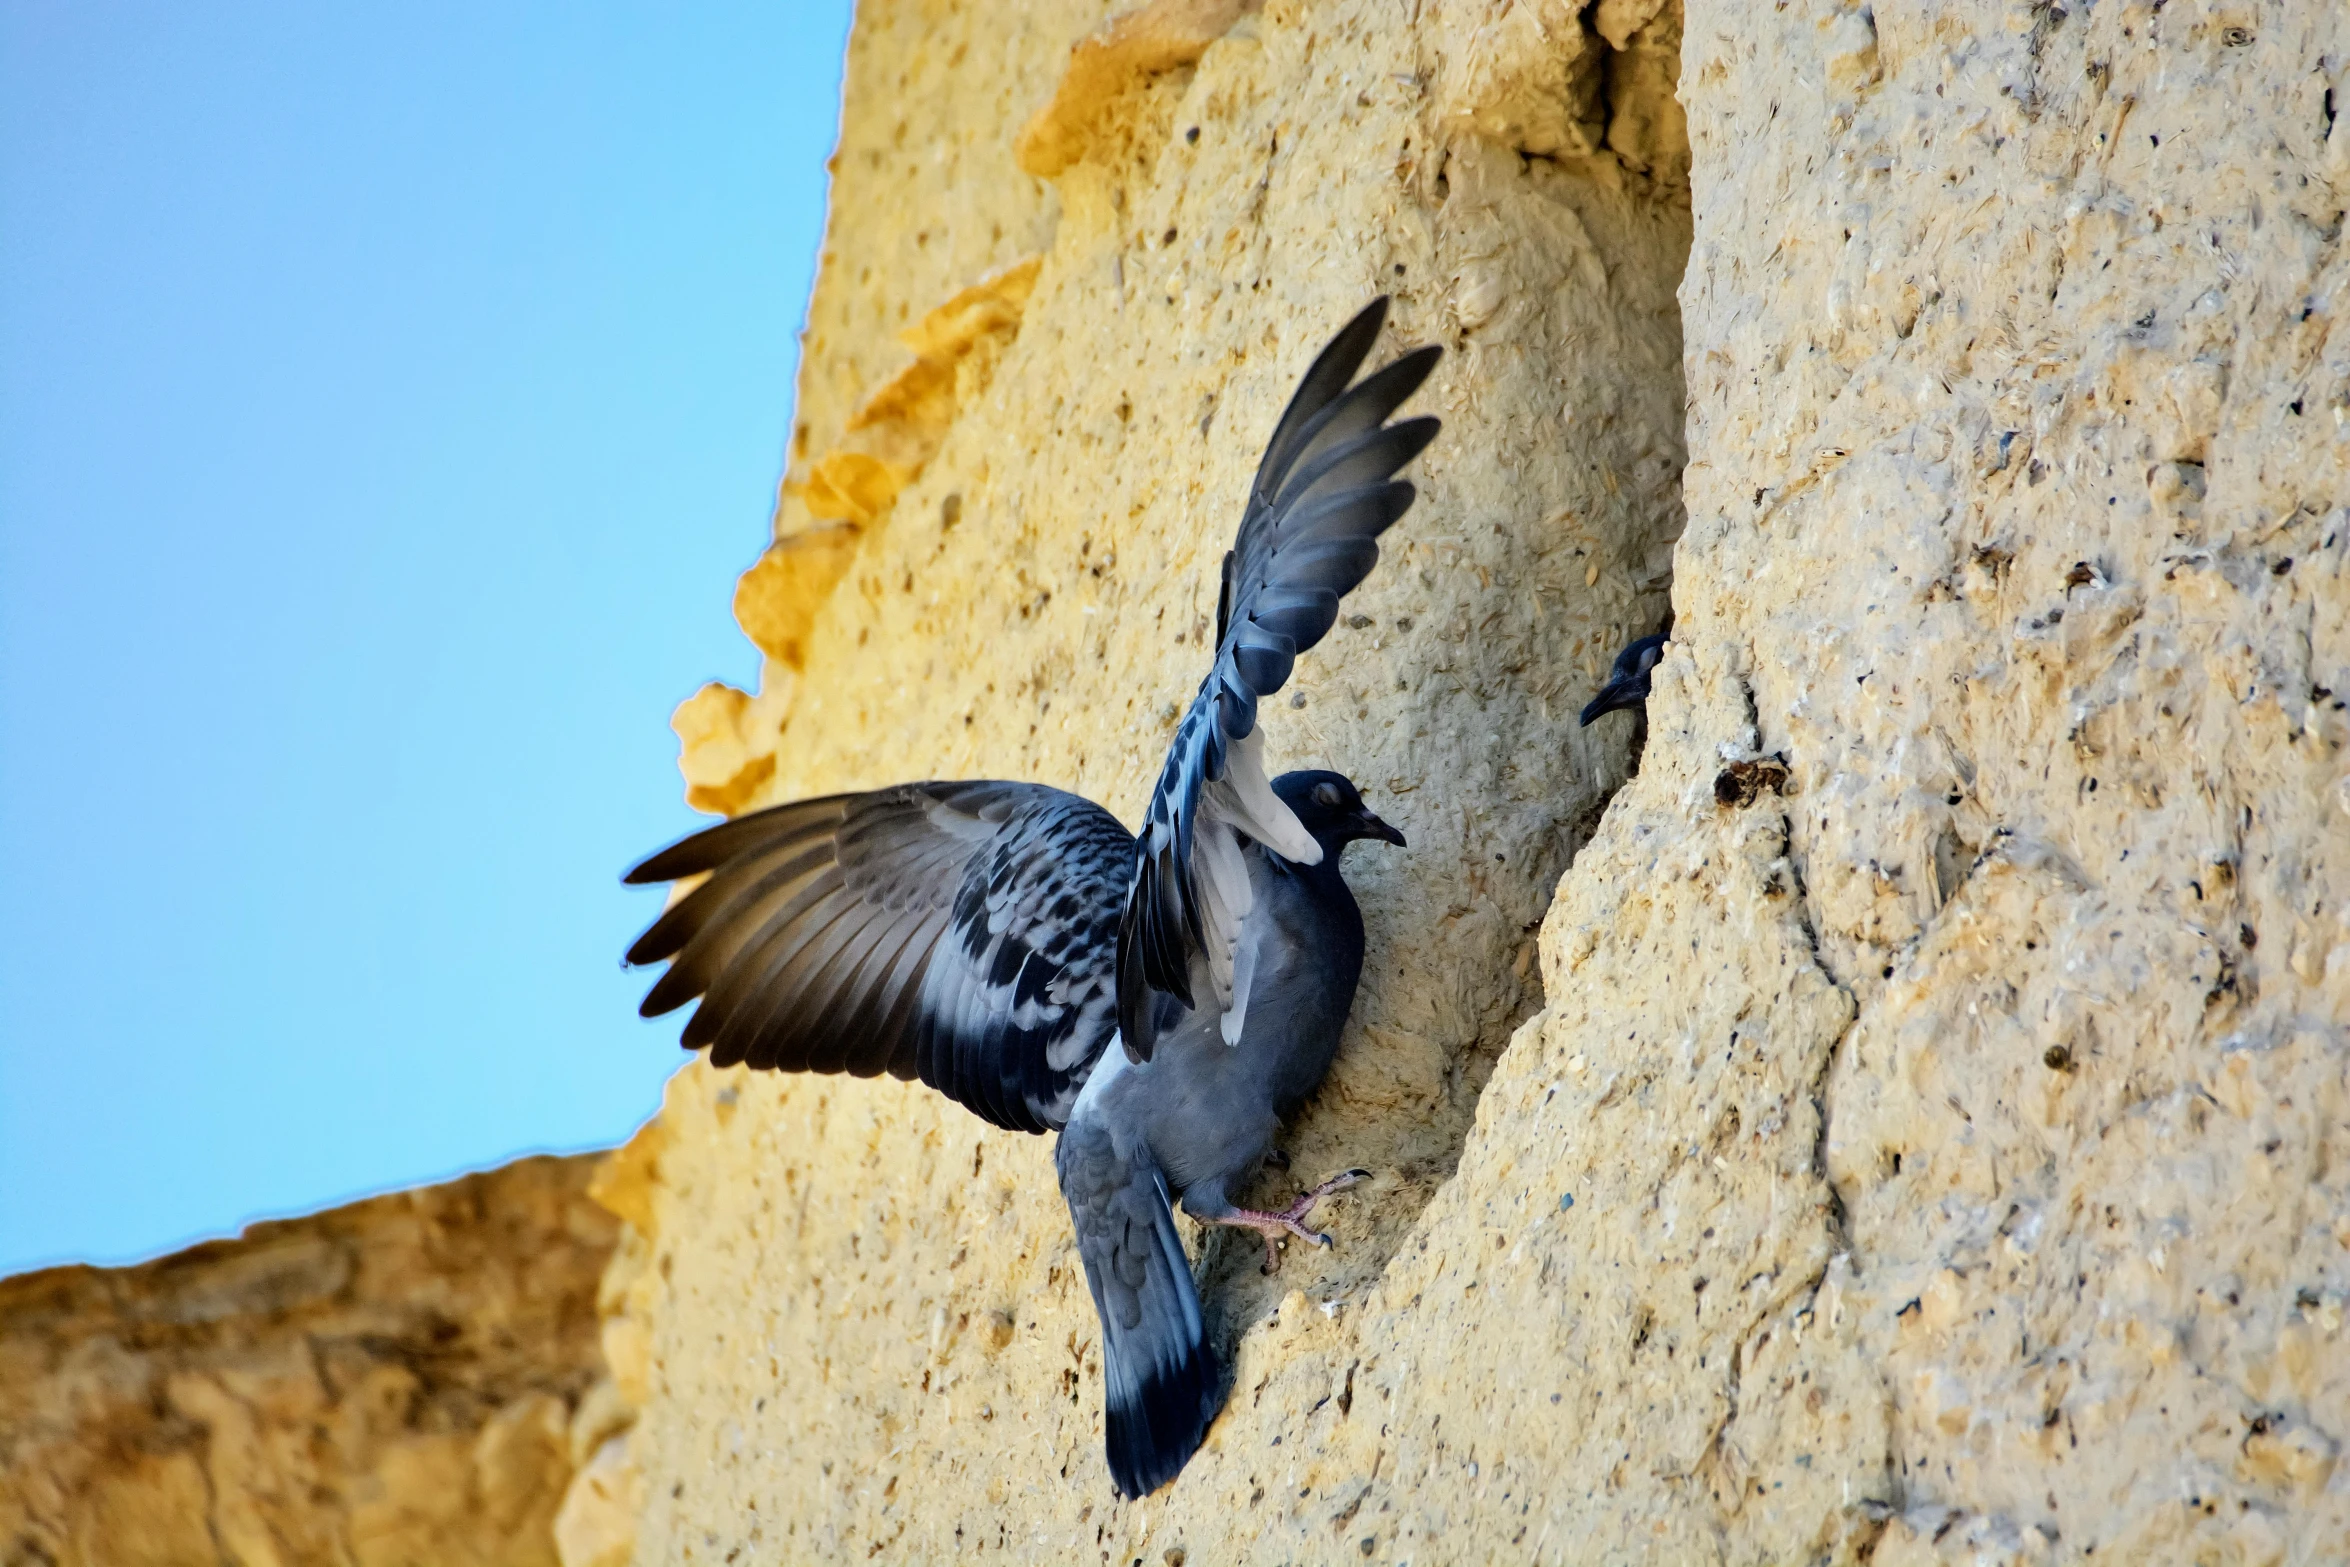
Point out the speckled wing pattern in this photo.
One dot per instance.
(1324, 492)
(960, 933)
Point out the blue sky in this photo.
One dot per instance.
(388, 398)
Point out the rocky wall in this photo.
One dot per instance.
(1927, 1140)
(397, 1383)
(2020, 504)
(861, 1319)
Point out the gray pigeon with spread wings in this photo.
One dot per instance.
(992, 938)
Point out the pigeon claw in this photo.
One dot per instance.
(1273, 1226)
(1343, 1181)
(1291, 1220)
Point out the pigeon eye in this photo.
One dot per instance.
(1326, 795)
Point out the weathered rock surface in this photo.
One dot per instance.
(391, 1382)
(1928, 1139)
(2018, 494)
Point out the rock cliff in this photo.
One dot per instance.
(400, 1381)
(1915, 1131)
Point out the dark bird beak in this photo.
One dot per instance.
(1370, 826)
(1616, 694)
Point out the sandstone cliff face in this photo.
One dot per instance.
(392, 1382)
(2018, 494)
(1925, 1135)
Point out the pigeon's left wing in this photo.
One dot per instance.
(961, 933)
(1323, 494)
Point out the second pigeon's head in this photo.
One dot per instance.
(1332, 809)
(1627, 683)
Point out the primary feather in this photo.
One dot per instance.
(1324, 492)
(960, 933)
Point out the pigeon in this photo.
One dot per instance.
(1197, 1119)
(1627, 683)
(991, 938)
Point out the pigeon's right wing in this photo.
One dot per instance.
(961, 933)
(1323, 494)
(1161, 1386)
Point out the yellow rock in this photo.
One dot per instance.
(1107, 63)
(597, 1525)
(628, 1351)
(602, 1414)
(386, 1382)
(845, 486)
(776, 601)
(623, 1181)
(928, 392)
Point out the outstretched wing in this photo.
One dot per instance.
(1324, 492)
(961, 933)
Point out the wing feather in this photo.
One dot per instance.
(1323, 493)
(961, 933)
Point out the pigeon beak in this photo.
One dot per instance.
(1621, 694)
(1371, 826)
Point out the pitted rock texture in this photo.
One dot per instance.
(387, 1383)
(1927, 1141)
(2018, 493)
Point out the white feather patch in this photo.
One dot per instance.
(1244, 797)
(1221, 877)
(1244, 977)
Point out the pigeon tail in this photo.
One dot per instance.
(1155, 1417)
(1162, 1385)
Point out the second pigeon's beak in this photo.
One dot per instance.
(1623, 693)
(1370, 826)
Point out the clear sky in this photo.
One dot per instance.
(389, 396)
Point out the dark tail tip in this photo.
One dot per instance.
(1151, 1438)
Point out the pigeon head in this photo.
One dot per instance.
(1332, 809)
(1627, 683)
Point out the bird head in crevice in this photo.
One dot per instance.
(1332, 809)
(1627, 683)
